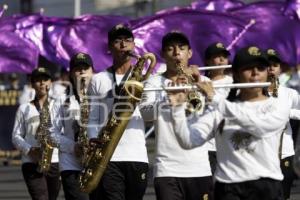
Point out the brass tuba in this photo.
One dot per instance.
(100, 154)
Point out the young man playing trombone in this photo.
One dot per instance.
(247, 128)
(179, 173)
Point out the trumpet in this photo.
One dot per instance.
(216, 86)
(214, 67)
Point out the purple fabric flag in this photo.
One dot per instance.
(87, 34)
(201, 27)
(16, 54)
(272, 29)
(277, 26)
(216, 5)
(292, 9)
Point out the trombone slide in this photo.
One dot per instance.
(216, 86)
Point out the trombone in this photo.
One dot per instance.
(214, 67)
(216, 86)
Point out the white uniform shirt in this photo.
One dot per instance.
(247, 142)
(132, 145)
(171, 159)
(291, 97)
(62, 131)
(26, 123)
(211, 144)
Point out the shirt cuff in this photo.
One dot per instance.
(216, 100)
(178, 111)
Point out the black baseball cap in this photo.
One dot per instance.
(40, 72)
(247, 56)
(215, 49)
(119, 30)
(81, 60)
(273, 55)
(174, 37)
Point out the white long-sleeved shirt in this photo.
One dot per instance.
(291, 97)
(64, 126)
(171, 160)
(26, 123)
(247, 137)
(211, 144)
(132, 145)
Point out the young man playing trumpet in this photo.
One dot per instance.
(179, 174)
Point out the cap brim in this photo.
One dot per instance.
(37, 75)
(274, 59)
(217, 52)
(261, 60)
(120, 32)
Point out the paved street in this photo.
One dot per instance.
(12, 186)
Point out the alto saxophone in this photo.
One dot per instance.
(195, 101)
(100, 154)
(43, 136)
(274, 85)
(83, 139)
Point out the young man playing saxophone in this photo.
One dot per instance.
(68, 129)
(126, 174)
(41, 186)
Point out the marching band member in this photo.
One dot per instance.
(126, 174)
(66, 128)
(40, 186)
(178, 173)
(247, 132)
(291, 97)
(215, 55)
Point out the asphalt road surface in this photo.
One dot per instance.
(12, 186)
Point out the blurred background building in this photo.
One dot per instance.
(65, 8)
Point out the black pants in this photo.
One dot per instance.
(70, 182)
(122, 181)
(262, 189)
(289, 175)
(40, 186)
(173, 188)
(212, 155)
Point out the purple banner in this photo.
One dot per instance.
(277, 26)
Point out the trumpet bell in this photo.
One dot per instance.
(195, 103)
(134, 89)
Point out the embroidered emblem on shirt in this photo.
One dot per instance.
(241, 140)
(143, 176)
